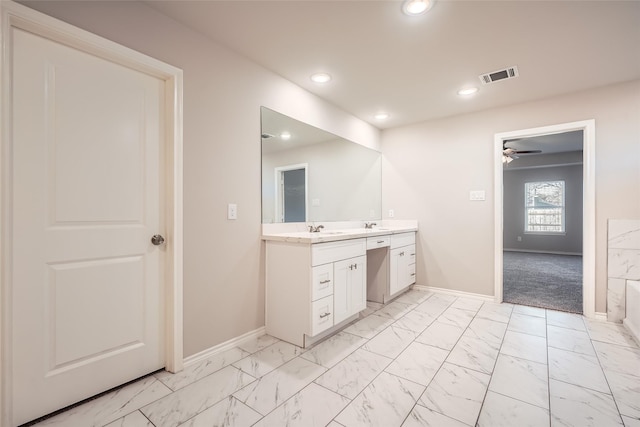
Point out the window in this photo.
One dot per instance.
(544, 207)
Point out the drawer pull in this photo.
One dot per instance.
(322, 316)
(325, 281)
(413, 274)
(380, 241)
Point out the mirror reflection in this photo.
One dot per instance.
(310, 175)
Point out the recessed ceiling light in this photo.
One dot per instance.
(285, 136)
(467, 91)
(321, 77)
(417, 7)
(381, 116)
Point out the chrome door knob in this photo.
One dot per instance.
(157, 239)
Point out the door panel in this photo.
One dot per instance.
(87, 182)
(100, 285)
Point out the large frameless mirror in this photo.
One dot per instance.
(310, 175)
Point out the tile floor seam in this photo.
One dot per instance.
(615, 401)
(520, 400)
(492, 372)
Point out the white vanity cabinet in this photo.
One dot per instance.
(402, 262)
(310, 288)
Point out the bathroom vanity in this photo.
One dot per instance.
(318, 282)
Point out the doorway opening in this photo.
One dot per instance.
(545, 217)
(291, 193)
(542, 221)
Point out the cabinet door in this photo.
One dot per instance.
(394, 258)
(399, 274)
(341, 294)
(358, 285)
(349, 288)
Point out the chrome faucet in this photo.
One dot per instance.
(313, 229)
(369, 225)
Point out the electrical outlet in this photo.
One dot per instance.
(519, 238)
(232, 211)
(391, 213)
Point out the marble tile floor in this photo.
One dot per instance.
(426, 359)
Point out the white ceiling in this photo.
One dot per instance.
(411, 67)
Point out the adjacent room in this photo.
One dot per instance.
(267, 213)
(543, 224)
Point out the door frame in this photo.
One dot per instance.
(14, 15)
(588, 206)
(279, 207)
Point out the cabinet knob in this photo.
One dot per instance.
(402, 253)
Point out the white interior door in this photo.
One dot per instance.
(87, 283)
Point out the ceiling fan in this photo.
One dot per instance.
(510, 154)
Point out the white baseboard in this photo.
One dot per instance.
(600, 316)
(454, 292)
(233, 342)
(543, 252)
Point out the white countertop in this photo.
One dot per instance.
(332, 235)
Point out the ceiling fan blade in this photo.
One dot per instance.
(528, 151)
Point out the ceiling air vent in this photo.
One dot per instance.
(494, 76)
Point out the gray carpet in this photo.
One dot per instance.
(543, 280)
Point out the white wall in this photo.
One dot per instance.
(430, 167)
(223, 92)
(514, 217)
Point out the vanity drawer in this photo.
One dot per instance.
(412, 274)
(411, 251)
(403, 239)
(378, 242)
(321, 315)
(322, 281)
(323, 253)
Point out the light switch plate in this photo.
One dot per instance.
(315, 202)
(477, 195)
(232, 211)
